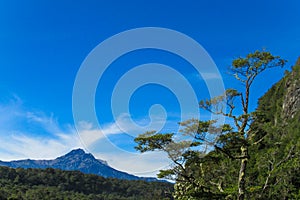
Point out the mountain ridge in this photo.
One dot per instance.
(76, 159)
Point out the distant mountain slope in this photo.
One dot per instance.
(76, 160)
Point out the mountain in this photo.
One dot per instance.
(76, 160)
(291, 102)
(282, 102)
(275, 159)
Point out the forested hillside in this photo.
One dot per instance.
(57, 184)
(275, 163)
(256, 156)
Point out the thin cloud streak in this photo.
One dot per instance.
(21, 143)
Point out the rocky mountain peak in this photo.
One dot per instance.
(77, 151)
(291, 103)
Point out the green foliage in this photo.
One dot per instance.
(275, 163)
(151, 141)
(247, 68)
(258, 157)
(192, 170)
(57, 184)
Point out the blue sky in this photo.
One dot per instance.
(43, 44)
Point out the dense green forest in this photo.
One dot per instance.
(58, 184)
(255, 156)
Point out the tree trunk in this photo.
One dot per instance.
(242, 173)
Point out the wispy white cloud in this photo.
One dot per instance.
(89, 134)
(29, 134)
(21, 146)
(49, 123)
(18, 142)
(124, 124)
(147, 164)
(207, 76)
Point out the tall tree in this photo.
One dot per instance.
(231, 141)
(244, 70)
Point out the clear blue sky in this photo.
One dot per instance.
(43, 43)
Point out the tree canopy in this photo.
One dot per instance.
(242, 159)
(58, 184)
